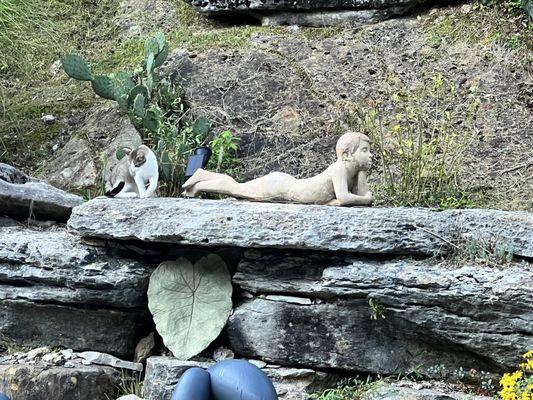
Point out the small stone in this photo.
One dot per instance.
(50, 357)
(223, 353)
(258, 363)
(67, 354)
(48, 119)
(466, 8)
(144, 348)
(94, 357)
(32, 354)
(129, 397)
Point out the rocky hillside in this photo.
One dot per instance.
(459, 74)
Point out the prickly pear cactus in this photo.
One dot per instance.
(190, 303)
(76, 67)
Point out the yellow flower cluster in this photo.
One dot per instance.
(519, 384)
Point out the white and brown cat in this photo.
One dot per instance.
(135, 175)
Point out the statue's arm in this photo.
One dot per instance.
(343, 196)
(361, 184)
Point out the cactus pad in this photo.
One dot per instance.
(103, 87)
(138, 106)
(190, 303)
(139, 89)
(161, 57)
(152, 119)
(76, 67)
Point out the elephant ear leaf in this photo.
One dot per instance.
(190, 303)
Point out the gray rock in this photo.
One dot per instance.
(256, 225)
(97, 358)
(470, 316)
(55, 291)
(163, 373)
(320, 19)
(212, 6)
(87, 159)
(35, 382)
(405, 390)
(22, 197)
(38, 352)
(138, 17)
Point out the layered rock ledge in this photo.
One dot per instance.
(23, 197)
(310, 227)
(313, 309)
(56, 291)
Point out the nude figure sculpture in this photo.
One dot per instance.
(343, 183)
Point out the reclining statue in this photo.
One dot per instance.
(343, 183)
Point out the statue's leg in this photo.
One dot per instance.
(221, 186)
(203, 175)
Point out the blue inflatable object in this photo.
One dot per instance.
(239, 380)
(193, 385)
(3, 397)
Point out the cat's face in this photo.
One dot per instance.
(138, 157)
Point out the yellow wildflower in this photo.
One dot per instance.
(528, 365)
(529, 354)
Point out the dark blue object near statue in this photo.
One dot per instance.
(239, 379)
(226, 380)
(193, 385)
(3, 397)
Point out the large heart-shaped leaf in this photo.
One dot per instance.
(190, 303)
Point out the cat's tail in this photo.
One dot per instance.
(116, 190)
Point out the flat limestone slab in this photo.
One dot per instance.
(22, 197)
(414, 231)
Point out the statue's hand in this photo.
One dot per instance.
(333, 202)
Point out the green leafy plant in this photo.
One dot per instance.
(130, 382)
(419, 142)
(190, 303)
(488, 252)
(377, 310)
(224, 148)
(347, 389)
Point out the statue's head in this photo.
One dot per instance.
(354, 149)
(349, 143)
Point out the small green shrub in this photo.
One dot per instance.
(488, 252)
(419, 137)
(130, 383)
(224, 148)
(347, 389)
(377, 310)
